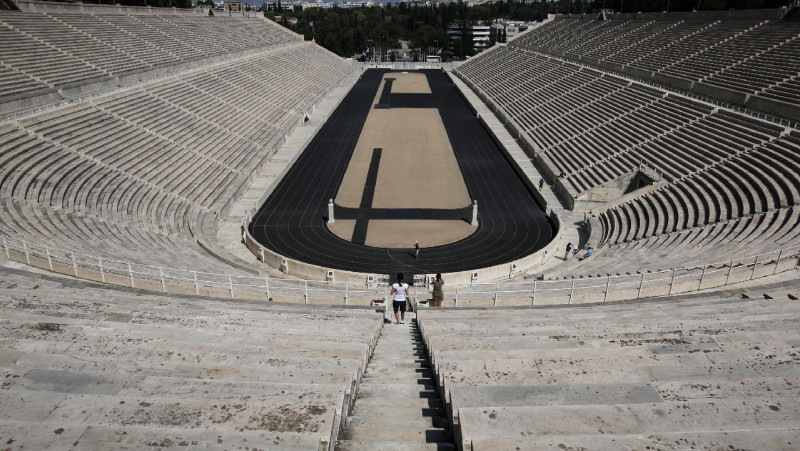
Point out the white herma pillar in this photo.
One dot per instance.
(474, 213)
(330, 212)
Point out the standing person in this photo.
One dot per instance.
(569, 248)
(541, 184)
(416, 250)
(399, 299)
(438, 294)
(575, 251)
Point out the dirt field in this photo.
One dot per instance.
(417, 169)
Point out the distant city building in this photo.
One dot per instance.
(480, 36)
(234, 5)
(512, 29)
(327, 5)
(351, 5)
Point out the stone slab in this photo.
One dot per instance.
(549, 395)
(37, 436)
(136, 437)
(728, 388)
(30, 406)
(545, 420)
(233, 391)
(296, 374)
(700, 372)
(780, 440)
(317, 418)
(73, 382)
(717, 415)
(567, 442)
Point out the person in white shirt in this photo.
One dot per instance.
(399, 299)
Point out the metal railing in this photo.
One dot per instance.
(193, 282)
(511, 293)
(629, 286)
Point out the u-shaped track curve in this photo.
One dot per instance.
(292, 220)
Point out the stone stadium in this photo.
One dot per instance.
(202, 216)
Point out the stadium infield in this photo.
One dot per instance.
(447, 159)
(406, 148)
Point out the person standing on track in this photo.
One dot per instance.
(399, 299)
(569, 249)
(416, 250)
(438, 294)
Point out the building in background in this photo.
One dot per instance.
(327, 5)
(478, 37)
(506, 30)
(234, 5)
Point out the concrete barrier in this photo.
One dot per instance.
(727, 95)
(778, 108)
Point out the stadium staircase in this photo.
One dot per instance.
(398, 405)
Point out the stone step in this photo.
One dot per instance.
(390, 403)
(399, 363)
(398, 407)
(358, 445)
(397, 391)
(389, 433)
(416, 378)
(378, 371)
(409, 420)
(380, 355)
(363, 410)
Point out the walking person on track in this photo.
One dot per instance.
(399, 299)
(438, 294)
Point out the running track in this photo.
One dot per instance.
(292, 221)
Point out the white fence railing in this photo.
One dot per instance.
(512, 293)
